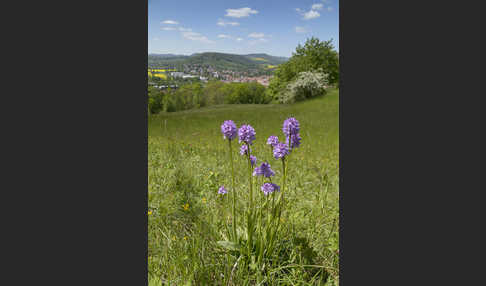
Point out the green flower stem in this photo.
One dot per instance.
(234, 193)
(268, 208)
(286, 165)
(281, 197)
(250, 208)
(251, 178)
(284, 170)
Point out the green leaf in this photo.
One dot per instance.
(229, 245)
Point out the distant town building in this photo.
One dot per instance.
(166, 86)
(177, 74)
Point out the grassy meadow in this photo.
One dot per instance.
(188, 161)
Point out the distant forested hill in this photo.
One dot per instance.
(218, 61)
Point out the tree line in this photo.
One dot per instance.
(196, 95)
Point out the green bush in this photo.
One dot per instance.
(214, 92)
(306, 85)
(244, 93)
(155, 100)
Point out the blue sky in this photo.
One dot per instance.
(274, 27)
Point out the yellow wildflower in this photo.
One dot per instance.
(173, 238)
(185, 237)
(186, 206)
(204, 200)
(149, 212)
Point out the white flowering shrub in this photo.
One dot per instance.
(307, 85)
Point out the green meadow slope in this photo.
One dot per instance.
(188, 161)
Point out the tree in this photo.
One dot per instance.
(155, 100)
(213, 92)
(257, 93)
(313, 56)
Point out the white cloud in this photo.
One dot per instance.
(263, 40)
(223, 23)
(223, 36)
(311, 15)
(256, 35)
(170, 22)
(300, 29)
(184, 29)
(239, 39)
(240, 13)
(196, 37)
(168, 28)
(156, 39)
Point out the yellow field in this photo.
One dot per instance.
(259, 59)
(160, 75)
(161, 70)
(271, 67)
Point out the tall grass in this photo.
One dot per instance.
(189, 160)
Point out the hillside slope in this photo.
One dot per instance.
(218, 61)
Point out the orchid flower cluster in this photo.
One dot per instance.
(246, 135)
(255, 213)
